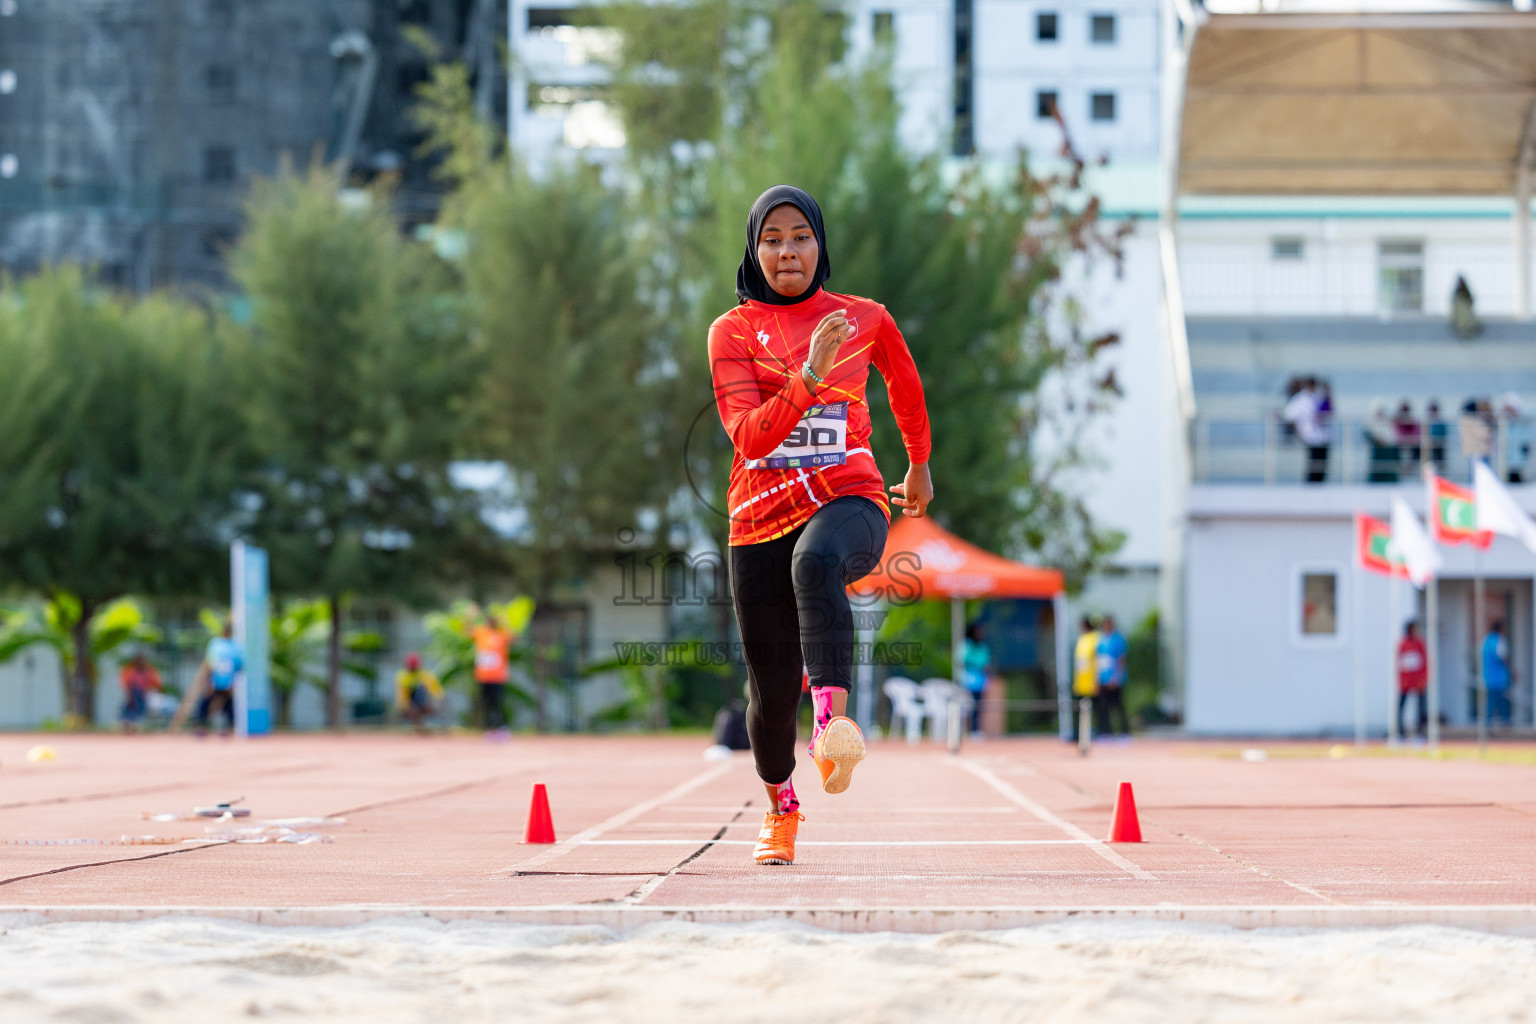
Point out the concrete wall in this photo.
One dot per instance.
(1250, 671)
(1227, 267)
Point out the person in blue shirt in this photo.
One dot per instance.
(1111, 666)
(224, 660)
(1496, 676)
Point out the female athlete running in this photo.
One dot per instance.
(808, 509)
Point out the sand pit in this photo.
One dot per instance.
(199, 970)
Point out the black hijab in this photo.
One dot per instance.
(750, 282)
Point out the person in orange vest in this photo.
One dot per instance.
(493, 646)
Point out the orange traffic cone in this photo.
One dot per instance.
(541, 827)
(1125, 828)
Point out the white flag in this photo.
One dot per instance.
(1497, 510)
(1411, 542)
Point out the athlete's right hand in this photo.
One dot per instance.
(826, 340)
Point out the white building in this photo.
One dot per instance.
(1335, 173)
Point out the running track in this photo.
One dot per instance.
(1007, 833)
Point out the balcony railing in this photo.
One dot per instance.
(1263, 451)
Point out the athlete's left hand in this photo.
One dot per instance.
(915, 492)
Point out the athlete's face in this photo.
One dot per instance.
(787, 250)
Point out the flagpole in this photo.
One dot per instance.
(1477, 650)
(1393, 627)
(1432, 632)
(1358, 631)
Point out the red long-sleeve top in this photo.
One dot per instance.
(780, 476)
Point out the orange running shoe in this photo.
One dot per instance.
(776, 842)
(839, 749)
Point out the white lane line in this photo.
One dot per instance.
(1097, 846)
(843, 842)
(585, 836)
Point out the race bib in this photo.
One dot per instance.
(819, 439)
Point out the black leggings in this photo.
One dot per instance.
(793, 612)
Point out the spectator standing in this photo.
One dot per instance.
(224, 660)
(1517, 435)
(976, 660)
(1496, 674)
(1381, 435)
(1085, 669)
(139, 679)
(1305, 414)
(1438, 431)
(493, 647)
(1412, 679)
(1463, 316)
(1112, 675)
(418, 692)
(1409, 436)
(1476, 432)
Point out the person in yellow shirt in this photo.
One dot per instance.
(417, 693)
(1085, 669)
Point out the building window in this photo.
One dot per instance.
(1045, 27)
(885, 26)
(1287, 247)
(965, 86)
(1045, 104)
(1101, 28)
(1101, 106)
(1402, 277)
(221, 81)
(1319, 608)
(219, 165)
(548, 17)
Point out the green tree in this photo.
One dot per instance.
(572, 396)
(360, 384)
(968, 263)
(121, 447)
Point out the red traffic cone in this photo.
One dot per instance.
(541, 827)
(1125, 828)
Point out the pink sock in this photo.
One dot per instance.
(821, 707)
(788, 802)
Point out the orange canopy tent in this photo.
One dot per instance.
(924, 561)
(922, 555)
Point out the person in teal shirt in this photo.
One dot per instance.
(1496, 677)
(975, 660)
(1111, 665)
(224, 660)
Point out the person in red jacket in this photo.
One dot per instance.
(1412, 676)
(808, 508)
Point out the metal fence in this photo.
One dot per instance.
(1264, 451)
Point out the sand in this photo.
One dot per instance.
(200, 970)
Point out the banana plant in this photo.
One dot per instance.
(54, 624)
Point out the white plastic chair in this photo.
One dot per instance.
(939, 700)
(905, 706)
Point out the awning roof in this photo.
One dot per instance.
(924, 561)
(1379, 99)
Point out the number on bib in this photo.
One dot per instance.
(819, 439)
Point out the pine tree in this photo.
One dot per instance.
(121, 448)
(572, 389)
(359, 391)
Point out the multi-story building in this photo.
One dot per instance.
(130, 131)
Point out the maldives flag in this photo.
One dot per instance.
(1453, 515)
(1371, 539)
